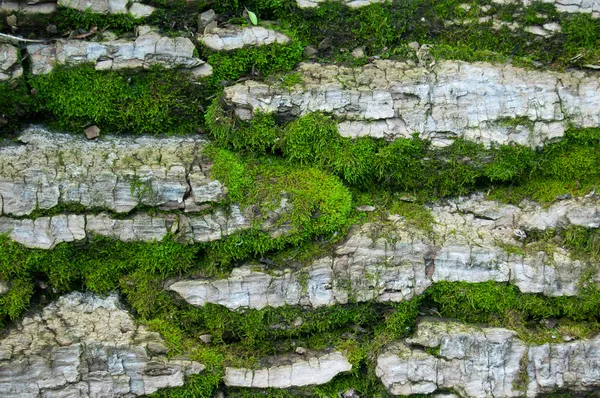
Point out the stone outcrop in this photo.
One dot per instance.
(147, 49)
(47, 232)
(311, 368)
(470, 241)
(83, 345)
(134, 7)
(485, 362)
(567, 6)
(234, 37)
(10, 64)
(28, 7)
(349, 3)
(47, 169)
(492, 104)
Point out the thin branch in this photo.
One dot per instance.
(15, 38)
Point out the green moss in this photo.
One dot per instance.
(153, 102)
(16, 105)
(68, 19)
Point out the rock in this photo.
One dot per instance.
(283, 371)
(310, 52)
(365, 208)
(389, 99)
(300, 350)
(394, 262)
(148, 49)
(52, 29)
(11, 21)
(485, 362)
(29, 7)
(86, 346)
(415, 46)
(205, 18)
(349, 3)
(206, 338)
(118, 174)
(4, 287)
(235, 37)
(135, 8)
(10, 64)
(325, 44)
(92, 132)
(350, 394)
(358, 52)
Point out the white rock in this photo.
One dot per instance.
(235, 37)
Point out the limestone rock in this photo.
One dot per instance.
(389, 99)
(109, 6)
(112, 173)
(148, 49)
(485, 362)
(568, 6)
(235, 37)
(10, 64)
(394, 261)
(29, 7)
(83, 345)
(290, 371)
(349, 3)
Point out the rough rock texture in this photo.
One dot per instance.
(148, 49)
(478, 101)
(312, 368)
(83, 345)
(109, 6)
(568, 6)
(29, 7)
(10, 64)
(486, 362)
(47, 169)
(349, 3)
(394, 261)
(235, 37)
(47, 232)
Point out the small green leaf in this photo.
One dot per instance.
(253, 17)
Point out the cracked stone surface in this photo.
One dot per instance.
(148, 49)
(311, 368)
(29, 7)
(109, 6)
(83, 345)
(486, 362)
(10, 64)
(45, 169)
(394, 261)
(389, 99)
(568, 6)
(234, 37)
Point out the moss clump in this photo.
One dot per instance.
(153, 102)
(67, 19)
(16, 105)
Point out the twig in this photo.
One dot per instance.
(15, 38)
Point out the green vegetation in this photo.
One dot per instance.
(158, 101)
(15, 104)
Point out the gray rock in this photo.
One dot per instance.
(47, 169)
(92, 132)
(148, 49)
(29, 7)
(393, 261)
(290, 371)
(83, 345)
(10, 64)
(4, 287)
(109, 6)
(485, 362)
(349, 3)
(388, 99)
(568, 6)
(235, 37)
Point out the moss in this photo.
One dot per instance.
(153, 102)
(16, 105)
(67, 19)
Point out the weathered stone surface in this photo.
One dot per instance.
(10, 64)
(148, 49)
(47, 169)
(486, 362)
(235, 37)
(83, 345)
(312, 368)
(388, 99)
(395, 261)
(568, 6)
(30, 7)
(109, 6)
(349, 3)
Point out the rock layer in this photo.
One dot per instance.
(148, 49)
(470, 241)
(312, 368)
(349, 3)
(567, 6)
(492, 104)
(86, 346)
(134, 7)
(50, 169)
(235, 37)
(486, 362)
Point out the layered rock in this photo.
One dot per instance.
(234, 37)
(349, 3)
(47, 232)
(10, 64)
(471, 241)
(148, 49)
(285, 371)
(485, 362)
(28, 7)
(134, 7)
(567, 6)
(46, 169)
(83, 345)
(492, 104)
